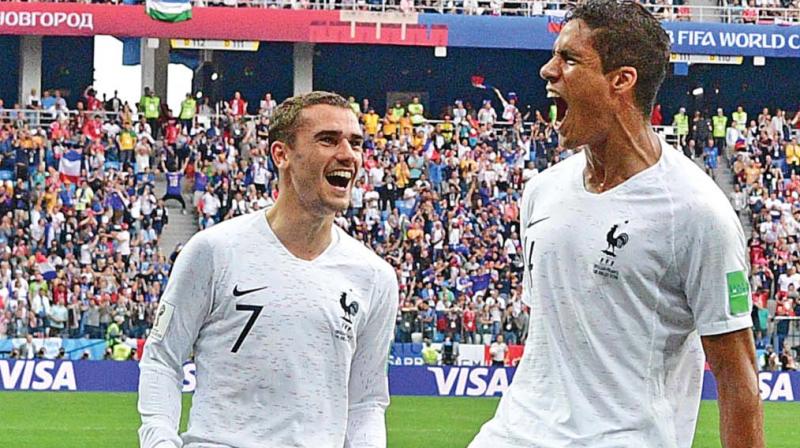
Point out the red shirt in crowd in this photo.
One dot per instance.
(238, 106)
(93, 129)
(172, 133)
(760, 298)
(469, 320)
(93, 103)
(656, 119)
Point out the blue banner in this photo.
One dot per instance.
(464, 381)
(734, 39)
(73, 348)
(539, 33)
(450, 381)
(405, 354)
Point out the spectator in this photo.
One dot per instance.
(510, 330)
(267, 105)
(416, 109)
(656, 119)
(430, 356)
(175, 186)
(150, 111)
(27, 349)
(681, 123)
(188, 110)
(449, 351)
(237, 106)
(498, 351)
(787, 360)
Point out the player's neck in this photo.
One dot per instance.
(305, 235)
(630, 147)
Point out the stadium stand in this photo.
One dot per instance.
(766, 164)
(437, 198)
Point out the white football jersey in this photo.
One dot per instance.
(289, 352)
(621, 285)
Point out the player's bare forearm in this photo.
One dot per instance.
(732, 359)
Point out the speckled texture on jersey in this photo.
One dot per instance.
(311, 368)
(621, 285)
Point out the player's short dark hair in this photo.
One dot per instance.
(286, 118)
(628, 35)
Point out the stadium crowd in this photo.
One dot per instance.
(79, 221)
(766, 165)
(437, 198)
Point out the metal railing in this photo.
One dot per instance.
(39, 117)
(729, 13)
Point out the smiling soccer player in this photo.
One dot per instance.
(288, 317)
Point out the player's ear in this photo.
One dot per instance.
(624, 79)
(279, 151)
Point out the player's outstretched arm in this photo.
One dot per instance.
(369, 385)
(732, 359)
(184, 306)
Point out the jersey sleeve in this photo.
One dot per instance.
(714, 270)
(525, 210)
(184, 307)
(369, 385)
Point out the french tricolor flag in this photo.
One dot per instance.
(70, 166)
(45, 267)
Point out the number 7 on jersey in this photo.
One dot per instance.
(256, 310)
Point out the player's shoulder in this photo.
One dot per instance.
(557, 176)
(227, 232)
(355, 252)
(699, 205)
(693, 190)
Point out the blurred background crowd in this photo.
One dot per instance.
(81, 219)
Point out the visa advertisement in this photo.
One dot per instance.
(456, 381)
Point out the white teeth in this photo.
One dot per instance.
(553, 94)
(341, 173)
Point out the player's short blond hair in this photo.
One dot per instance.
(286, 118)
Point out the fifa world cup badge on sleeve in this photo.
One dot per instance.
(163, 316)
(738, 293)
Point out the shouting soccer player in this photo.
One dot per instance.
(634, 264)
(289, 318)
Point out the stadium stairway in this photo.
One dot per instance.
(723, 175)
(180, 227)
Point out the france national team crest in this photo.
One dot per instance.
(349, 311)
(616, 239)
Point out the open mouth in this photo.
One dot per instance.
(339, 178)
(561, 108)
